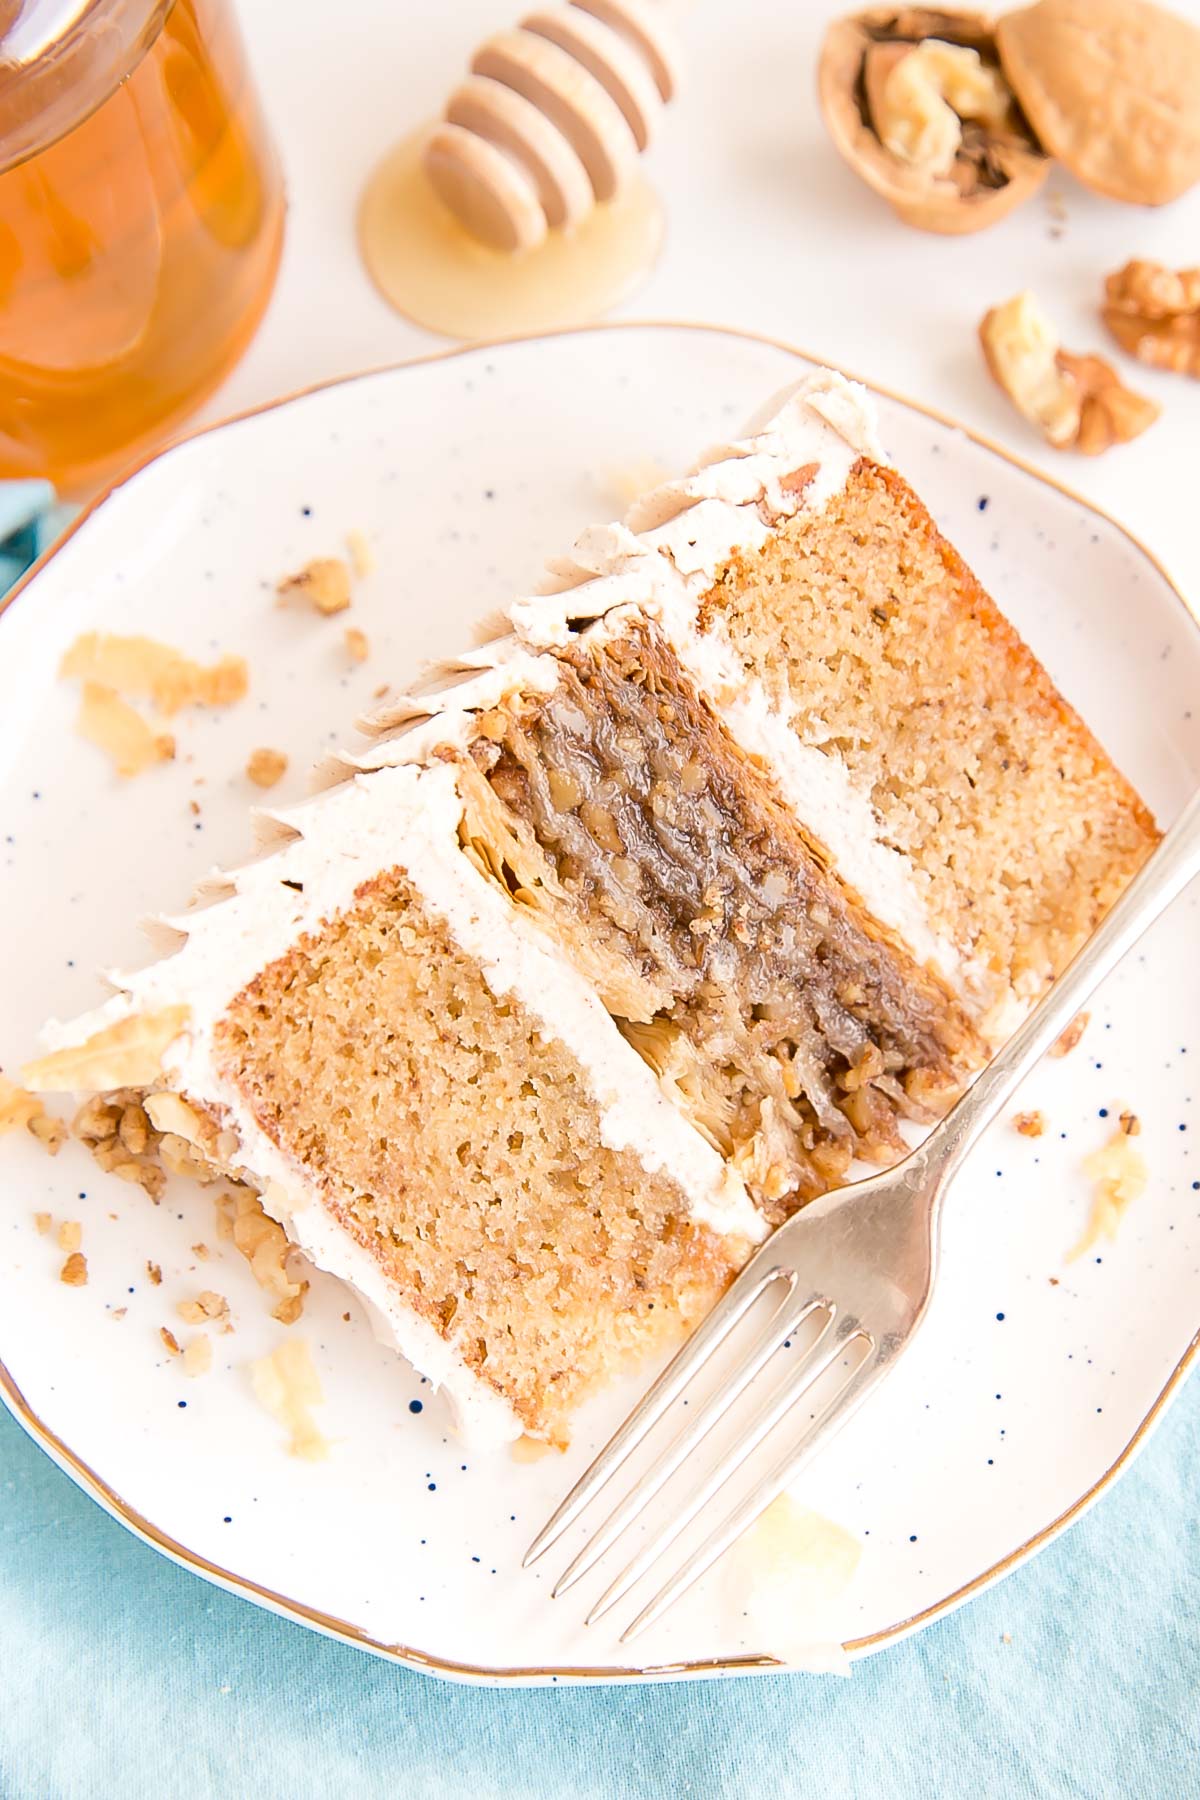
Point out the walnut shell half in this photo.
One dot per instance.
(961, 154)
(1112, 88)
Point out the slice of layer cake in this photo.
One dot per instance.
(631, 934)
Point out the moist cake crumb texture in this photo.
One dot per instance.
(449, 1136)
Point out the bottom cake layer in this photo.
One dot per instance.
(460, 1146)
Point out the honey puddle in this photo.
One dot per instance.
(434, 272)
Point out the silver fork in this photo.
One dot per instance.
(858, 1265)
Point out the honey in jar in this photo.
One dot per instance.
(141, 222)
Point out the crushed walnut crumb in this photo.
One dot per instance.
(49, 1131)
(74, 1272)
(169, 1339)
(201, 1251)
(358, 646)
(43, 1221)
(325, 582)
(265, 767)
(266, 1247)
(122, 1139)
(154, 1274)
(208, 1308)
(1119, 1175)
(69, 1235)
(118, 1312)
(1070, 1035)
(1029, 1124)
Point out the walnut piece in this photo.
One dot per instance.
(1154, 314)
(69, 1235)
(920, 97)
(1112, 89)
(265, 767)
(1119, 1174)
(74, 1272)
(358, 646)
(1077, 402)
(325, 581)
(286, 1383)
(1029, 1124)
(917, 103)
(362, 557)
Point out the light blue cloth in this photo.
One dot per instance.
(123, 1676)
(30, 520)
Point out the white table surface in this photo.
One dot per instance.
(767, 230)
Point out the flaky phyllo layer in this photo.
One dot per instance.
(640, 924)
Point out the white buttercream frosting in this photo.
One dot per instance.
(404, 817)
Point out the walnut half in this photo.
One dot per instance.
(917, 104)
(1077, 402)
(1154, 314)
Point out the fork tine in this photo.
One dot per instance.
(848, 1399)
(763, 1422)
(759, 1273)
(785, 1320)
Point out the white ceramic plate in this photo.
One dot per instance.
(1032, 1380)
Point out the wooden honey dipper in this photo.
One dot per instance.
(551, 119)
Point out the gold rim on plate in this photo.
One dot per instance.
(107, 1496)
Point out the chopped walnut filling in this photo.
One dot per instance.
(1029, 1124)
(731, 960)
(74, 1272)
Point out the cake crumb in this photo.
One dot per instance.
(265, 767)
(1119, 1174)
(142, 667)
(169, 1339)
(286, 1384)
(325, 581)
(74, 1272)
(357, 644)
(154, 1274)
(382, 691)
(202, 1251)
(1029, 1124)
(1070, 1035)
(69, 1235)
(43, 1221)
(529, 1449)
(118, 1312)
(17, 1106)
(128, 740)
(197, 1356)
(362, 557)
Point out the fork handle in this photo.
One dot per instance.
(1151, 891)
